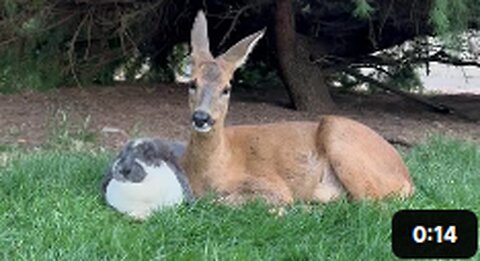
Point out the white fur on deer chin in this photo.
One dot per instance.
(160, 188)
(204, 129)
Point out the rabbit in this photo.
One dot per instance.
(146, 177)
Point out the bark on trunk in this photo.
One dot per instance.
(305, 82)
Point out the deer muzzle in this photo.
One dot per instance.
(202, 121)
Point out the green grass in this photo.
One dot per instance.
(50, 208)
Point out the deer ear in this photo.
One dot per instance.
(199, 38)
(237, 54)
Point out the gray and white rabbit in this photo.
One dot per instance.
(146, 177)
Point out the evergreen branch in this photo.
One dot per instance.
(234, 22)
(71, 48)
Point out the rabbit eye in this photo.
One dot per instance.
(125, 171)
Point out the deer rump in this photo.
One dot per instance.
(280, 162)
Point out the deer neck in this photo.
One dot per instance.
(205, 149)
(205, 157)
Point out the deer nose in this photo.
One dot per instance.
(201, 119)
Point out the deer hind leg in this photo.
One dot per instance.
(329, 189)
(365, 164)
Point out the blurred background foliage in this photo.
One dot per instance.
(49, 43)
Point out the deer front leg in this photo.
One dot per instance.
(272, 189)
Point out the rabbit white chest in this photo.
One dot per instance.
(159, 188)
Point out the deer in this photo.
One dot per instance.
(317, 161)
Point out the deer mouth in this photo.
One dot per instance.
(203, 127)
(202, 121)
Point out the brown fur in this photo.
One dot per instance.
(281, 162)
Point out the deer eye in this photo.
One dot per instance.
(226, 91)
(192, 87)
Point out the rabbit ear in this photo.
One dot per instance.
(131, 169)
(125, 160)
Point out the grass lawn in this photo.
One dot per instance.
(51, 208)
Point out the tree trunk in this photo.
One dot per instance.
(305, 82)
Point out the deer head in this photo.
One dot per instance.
(209, 91)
